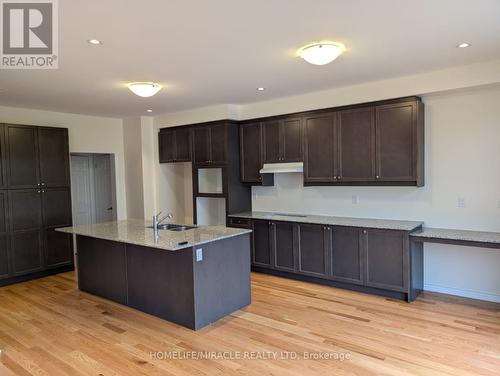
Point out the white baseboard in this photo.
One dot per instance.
(465, 293)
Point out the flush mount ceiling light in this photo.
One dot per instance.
(149, 110)
(261, 88)
(321, 53)
(463, 45)
(95, 42)
(144, 89)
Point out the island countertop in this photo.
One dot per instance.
(388, 224)
(135, 231)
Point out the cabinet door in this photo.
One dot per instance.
(4, 236)
(283, 245)
(386, 259)
(218, 144)
(56, 205)
(261, 243)
(319, 158)
(201, 145)
(166, 146)
(250, 153)
(313, 250)
(54, 157)
(183, 145)
(271, 141)
(396, 140)
(22, 147)
(3, 158)
(356, 145)
(26, 238)
(59, 248)
(346, 256)
(292, 140)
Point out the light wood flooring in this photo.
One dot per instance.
(48, 327)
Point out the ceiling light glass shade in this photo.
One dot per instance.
(321, 53)
(144, 89)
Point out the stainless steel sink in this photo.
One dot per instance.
(173, 227)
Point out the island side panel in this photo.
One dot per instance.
(160, 283)
(102, 268)
(222, 279)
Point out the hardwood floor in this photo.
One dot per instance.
(48, 327)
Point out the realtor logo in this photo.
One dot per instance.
(29, 34)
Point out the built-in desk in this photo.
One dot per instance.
(458, 237)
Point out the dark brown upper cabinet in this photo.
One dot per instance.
(250, 153)
(175, 145)
(320, 160)
(37, 157)
(210, 144)
(282, 140)
(399, 142)
(54, 157)
(356, 145)
(373, 144)
(23, 161)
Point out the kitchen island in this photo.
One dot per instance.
(191, 277)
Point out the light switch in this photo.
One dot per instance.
(199, 254)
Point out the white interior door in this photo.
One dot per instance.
(103, 191)
(81, 192)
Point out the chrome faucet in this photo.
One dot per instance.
(157, 220)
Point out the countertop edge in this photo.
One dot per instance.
(267, 216)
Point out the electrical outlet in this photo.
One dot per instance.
(199, 254)
(355, 199)
(461, 202)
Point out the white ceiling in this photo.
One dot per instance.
(219, 51)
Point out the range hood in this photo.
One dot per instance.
(280, 168)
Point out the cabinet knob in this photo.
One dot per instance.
(38, 184)
(38, 191)
(43, 183)
(377, 177)
(334, 178)
(364, 231)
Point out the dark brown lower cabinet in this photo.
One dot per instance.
(347, 255)
(313, 247)
(283, 241)
(4, 257)
(387, 258)
(364, 259)
(26, 250)
(262, 244)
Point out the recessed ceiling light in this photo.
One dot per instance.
(463, 45)
(261, 88)
(321, 53)
(149, 110)
(95, 42)
(144, 89)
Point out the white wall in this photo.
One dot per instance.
(462, 160)
(87, 134)
(132, 141)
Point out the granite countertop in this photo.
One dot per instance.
(465, 235)
(387, 224)
(134, 231)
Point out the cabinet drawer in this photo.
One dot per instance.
(240, 222)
